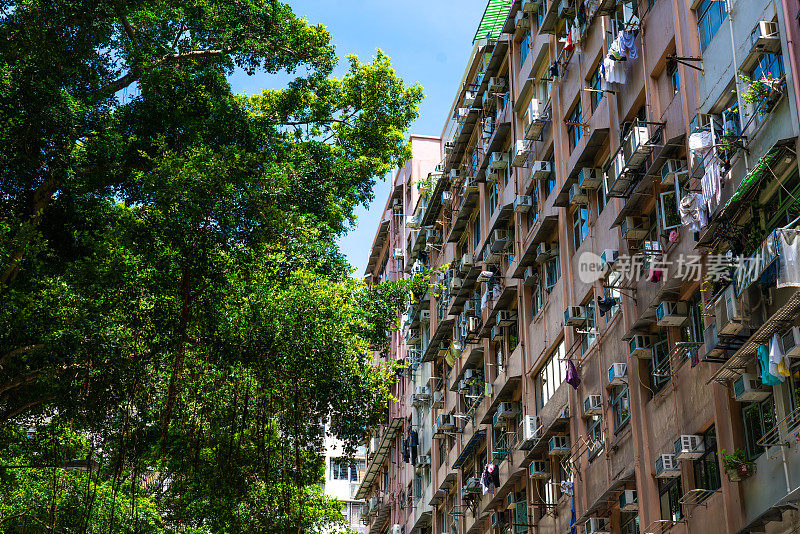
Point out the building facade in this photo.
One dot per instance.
(343, 476)
(614, 345)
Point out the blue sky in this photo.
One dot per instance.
(429, 41)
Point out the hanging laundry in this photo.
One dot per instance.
(604, 305)
(486, 483)
(494, 471)
(654, 275)
(789, 250)
(762, 355)
(405, 451)
(573, 378)
(614, 71)
(567, 488)
(569, 46)
(692, 213)
(581, 15)
(627, 44)
(776, 358)
(554, 70)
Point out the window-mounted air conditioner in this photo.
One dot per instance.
(438, 399)
(497, 421)
(398, 254)
(497, 333)
(499, 240)
(471, 374)
(455, 283)
(689, 447)
(469, 98)
(558, 445)
(425, 315)
(633, 229)
(508, 410)
(748, 388)
(530, 6)
(673, 169)
(574, 316)
(447, 198)
(470, 186)
(590, 179)
(413, 221)
(577, 196)
(466, 261)
(634, 146)
(446, 422)
(490, 257)
(597, 525)
(641, 346)
(732, 314)
(539, 469)
(412, 336)
(667, 466)
(617, 373)
(790, 342)
(593, 405)
(671, 313)
(497, 85)
(505, 318)
(462, 114)
(627, 501)
(531, 276)
(533, 121)
(474, 324)
(530, 430)
(521, 152)
(609, 258)
(544, 252)
(498, 161)
(764, 39)
(523, 203)
(541, 170)
(566, 9)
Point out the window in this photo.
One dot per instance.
(630, 522)
(552, 272)
(533, 213)
(343, 469)
(651, 246)
(524, 48)
(674, 77)
(670, 492)
(521, 513)
(591, 327)
(540, 14)
(620, 407)
(770, 66)
(594, 432)
(596, 86)
(476, 231)
(611, 291)
(537, 302)
(494, 196)
(706, 468)
(474, 163)
(580, 226)
(513, 337)
(710, 15)
(659, 364)
(759, 418)
(574, 126)
(692, 330)
(550, 376)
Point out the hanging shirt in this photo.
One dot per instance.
(573, 378)
(789, 249)
(762, 354)
(777, 366)
(692, 212)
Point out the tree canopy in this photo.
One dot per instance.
(174, 308)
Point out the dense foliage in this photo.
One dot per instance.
(174, 309)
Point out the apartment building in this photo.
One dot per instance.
(343, 475)
(614, 346)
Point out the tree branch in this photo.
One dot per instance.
(20, 350)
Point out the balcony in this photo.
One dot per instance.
(380, 455)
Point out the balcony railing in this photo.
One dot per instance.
(784, 433)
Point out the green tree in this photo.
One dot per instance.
(172, 297)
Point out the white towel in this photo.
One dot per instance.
(789, 248)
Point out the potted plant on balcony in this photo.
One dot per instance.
(763, 93)
(736, 465)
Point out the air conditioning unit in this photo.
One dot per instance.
(748, 388)
(732, 315)
(534, 120)
(689, 447)
(398, 254)
(617, 373)
(633, 229)
(558, 445)
(412, 336)
(492, 176)
(397, 529)
(470, 186)
(416, 401)
(539, 469)
(597, 525)
(522, 22)
(463, 386)
(541, 170)
(667, 466)
(397, 205)
(462, 114)
(590, 179)
(471, 307)
(423, 460)
(490, 257)
(790, 342)
(439, 168)
(530, 429)
(566, 9)
(469, 98)
(521, 152)
(456, 283)
(593, 405)
(505, 318)
(447, 198)
(497, 421)
(499, 161)
(471, 374)
(609, 258)
(438, 399)
(530, 6)
(423, 392)
(425, 315)
(764, 39)
(627, 501)
(474, 324)
(488, 126)
(671, 313)
(499, 240)
(508, 410)
(455, 174)
(466, 261)
(496, 333)
(446, 422)
(497, 85)
(472, 484)
(498, 519)
(574, 316)
(641, 346)
(531, 277)
(413, 221)
(713, 349)
(523, 203)
(544, 252)
(418, 268)
(373, 503)
(635, 148)
(577, 195)
(672, 169)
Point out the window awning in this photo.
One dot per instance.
(494, 17)
(752, 178)
(381, 454)
(473, 443)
